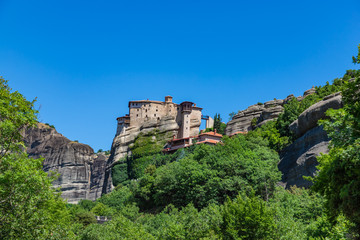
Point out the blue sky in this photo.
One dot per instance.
(84, 60)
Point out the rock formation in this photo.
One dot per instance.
(122, 142)
(299, 159)
(309, 118)
(81, 172)
(243, 121)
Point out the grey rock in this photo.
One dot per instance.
(309, 92)
(288, 98)
(264, 113)
(79, 178)
(122, 142)
(299, 159)
(309, 118)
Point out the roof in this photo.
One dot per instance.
(145, 101)
(236, 133)
(126, 116)
(211, 141)
(211, 134)
(178, 139)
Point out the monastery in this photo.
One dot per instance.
(186, 114)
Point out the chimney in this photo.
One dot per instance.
(201, 131)
(173, 137)
(214, 131)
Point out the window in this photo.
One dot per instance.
(145, 110)
(158, 118)
(137, 109)
(156, 110)
(137, 115)
(154, 115)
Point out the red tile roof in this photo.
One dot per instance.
(236, 133)
(211, 141)
(211, 134)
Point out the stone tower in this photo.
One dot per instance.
(186, 108)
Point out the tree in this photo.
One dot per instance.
(30, 208)
(248, 218)
(16, 113)
(339, 176)
(357, 58)
(218, 125)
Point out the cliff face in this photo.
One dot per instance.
(244, 120)
(121, 144)
(81, 172)
(299, 159)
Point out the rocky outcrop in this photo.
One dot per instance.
(309, 118)
(243, 120)
(299, 159)
(81, 172)
(121, 144)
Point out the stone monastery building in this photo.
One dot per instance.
(187, 115)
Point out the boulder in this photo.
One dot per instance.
(299, 159)
(309, 92)
(309, 118)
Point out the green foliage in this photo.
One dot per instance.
(339, 175)
(211, 173)
(118, 228)
(146, 150)
(119, 173)
(323, 229)
(30, 208)
(102, 210)
(16, 113)
(231, 115)
(248, 218)
(269, 132)
(356, 59)
(187, 223)
(218, 125)
(294, 108)
(52, 126)
(86, 204)
(254, 122)
(118, 198)
(85, 218)
(208, 130)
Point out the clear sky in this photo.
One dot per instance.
(84, 60)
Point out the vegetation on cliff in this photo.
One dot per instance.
(226, 191)
(29, 206)
(338, 179)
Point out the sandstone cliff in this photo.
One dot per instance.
(81, 172)
(299, 159)
(244, 120)
(120, 148)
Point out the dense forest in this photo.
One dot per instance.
(226, 191)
